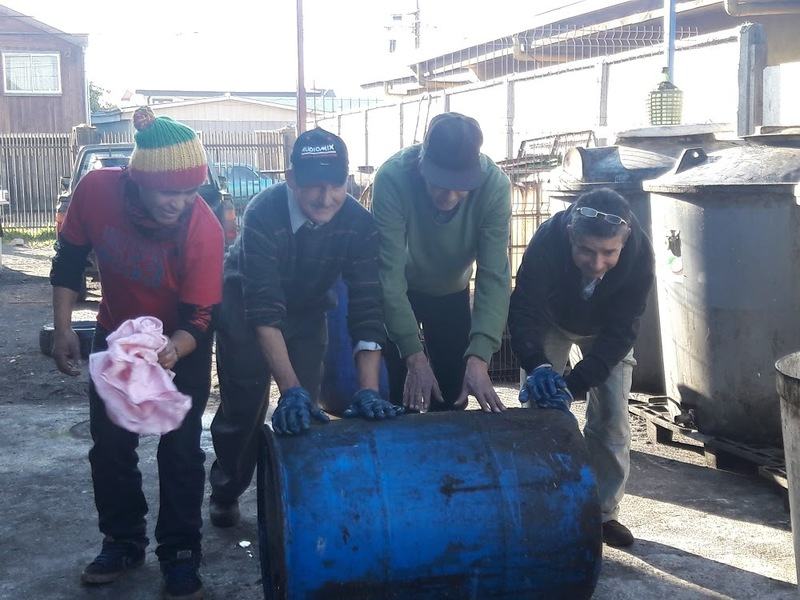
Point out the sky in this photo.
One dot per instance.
(250, 45)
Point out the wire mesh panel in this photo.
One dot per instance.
(530, 208)
(526, 51)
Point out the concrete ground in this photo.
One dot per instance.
(700, 533)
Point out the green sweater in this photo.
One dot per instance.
(417, 253)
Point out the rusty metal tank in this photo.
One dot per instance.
(725, 232)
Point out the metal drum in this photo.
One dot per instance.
(725, 234)
(441, 505)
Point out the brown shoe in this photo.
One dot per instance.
(616, 534)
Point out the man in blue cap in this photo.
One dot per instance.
(297, 239)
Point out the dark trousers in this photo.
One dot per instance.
(244, 380)
(121, 505)
(446, 322)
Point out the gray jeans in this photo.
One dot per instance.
(607, 430)
(244, 380)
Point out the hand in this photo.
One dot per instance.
(67, 351)
(369, 404)
(541, 384)
(168, 356)
(478, 383)
(560, 401)
(294, 411)
(421, 386)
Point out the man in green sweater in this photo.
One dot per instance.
(441, 207)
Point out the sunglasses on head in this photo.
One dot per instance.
(592, 213)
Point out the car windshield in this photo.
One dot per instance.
(98, 159)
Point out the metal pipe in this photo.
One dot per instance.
(745, 8)
(669, 36)
(301, 86)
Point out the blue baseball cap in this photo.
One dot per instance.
(319, 156)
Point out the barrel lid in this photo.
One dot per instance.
(619, 167)
(776, 135)
(788, 380)
(747, 165)
(672, 131)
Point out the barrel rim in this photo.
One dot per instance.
(275, 511)
(783, 371)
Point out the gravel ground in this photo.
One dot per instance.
(701, 533)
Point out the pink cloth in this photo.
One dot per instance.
(139, 394)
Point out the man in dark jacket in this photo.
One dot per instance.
(298, 238)
(584, 281)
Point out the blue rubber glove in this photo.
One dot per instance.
(370, 405)
(560, 401)
(541, 384)
(294, 411)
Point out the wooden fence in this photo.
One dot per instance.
(31, 166)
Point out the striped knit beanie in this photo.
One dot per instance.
(167, 155)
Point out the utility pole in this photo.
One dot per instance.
(301, 86)
(417, 27)
(669, 37)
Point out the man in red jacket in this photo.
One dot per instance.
(159, 249)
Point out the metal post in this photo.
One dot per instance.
(669, 37)
(366, 137)
(301, 86)
(510, 111)
(417, 27)
(314, 94)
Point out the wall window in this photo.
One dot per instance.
(31, 73)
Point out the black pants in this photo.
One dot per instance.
(121, 505)
(244, 380)
(446, 322)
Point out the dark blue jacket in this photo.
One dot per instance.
(548, 291)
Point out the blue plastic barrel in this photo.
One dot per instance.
(441, 505)
(340, 379)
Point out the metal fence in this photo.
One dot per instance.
(526, 51)
(31, 166)
(530, 207)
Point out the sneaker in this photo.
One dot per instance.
(222, 514)
(116, 557)
(181, 580)
(616, 534)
